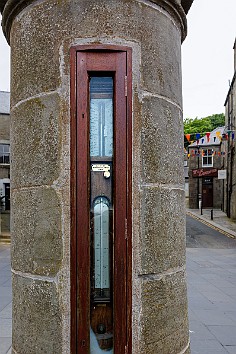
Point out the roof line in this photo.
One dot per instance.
(230, 88)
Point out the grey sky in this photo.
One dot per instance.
(207, 57)
(4, 63)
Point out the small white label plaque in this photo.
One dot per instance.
(100, 168)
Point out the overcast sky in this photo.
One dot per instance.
(207, 57)
(4, 63)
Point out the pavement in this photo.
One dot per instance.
(5, 300)
(211, 275)
(211, 280)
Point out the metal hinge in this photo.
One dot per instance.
(126, 232)
(126, 86)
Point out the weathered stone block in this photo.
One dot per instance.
(36, 317)
(36, 141)
(36, 231)
(161, 143)
(175, 343)
(164, 320)
(162, 230)
(35, 58)
(161, 56)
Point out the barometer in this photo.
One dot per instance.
(101, 205)
(101, 145)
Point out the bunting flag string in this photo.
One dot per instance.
(191, 137)
(204, 152)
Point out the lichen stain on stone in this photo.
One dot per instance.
(36, 132)
(37, 246)
(31, 57)
(161, 127)
(164, 308)
(37, 316)
(159, 235)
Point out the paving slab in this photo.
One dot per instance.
(225, 334)
(5, 300)
(6, 327)
(209, 347)
(212, 317)
(231, 349)
(5, 345)
(7, 282)
(199, 331)
(211, 297)
(7, 311)
(5, 291)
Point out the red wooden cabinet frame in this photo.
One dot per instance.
(114, 60)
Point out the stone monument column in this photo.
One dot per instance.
(41, 33)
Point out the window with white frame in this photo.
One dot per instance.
(4, 154)
(207, 158)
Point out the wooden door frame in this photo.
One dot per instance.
(79, 190)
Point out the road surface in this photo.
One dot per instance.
(211, 274)
(199, 235)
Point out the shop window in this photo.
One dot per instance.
(207, 158)
(4, 154)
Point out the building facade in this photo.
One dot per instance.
(229, 145)
(205, 158)
(4, 150)
(4, 166)
(98, 218)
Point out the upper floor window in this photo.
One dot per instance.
(207, 158)
(4, 153)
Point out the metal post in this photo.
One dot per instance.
(0, 221)
(211, 214)
(198, 177)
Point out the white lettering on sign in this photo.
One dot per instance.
(205, 172)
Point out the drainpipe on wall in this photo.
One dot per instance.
(228, 167)
(198, 191)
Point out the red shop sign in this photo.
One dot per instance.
(202, 172)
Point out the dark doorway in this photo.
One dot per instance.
(207, 192)
(7, 196)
